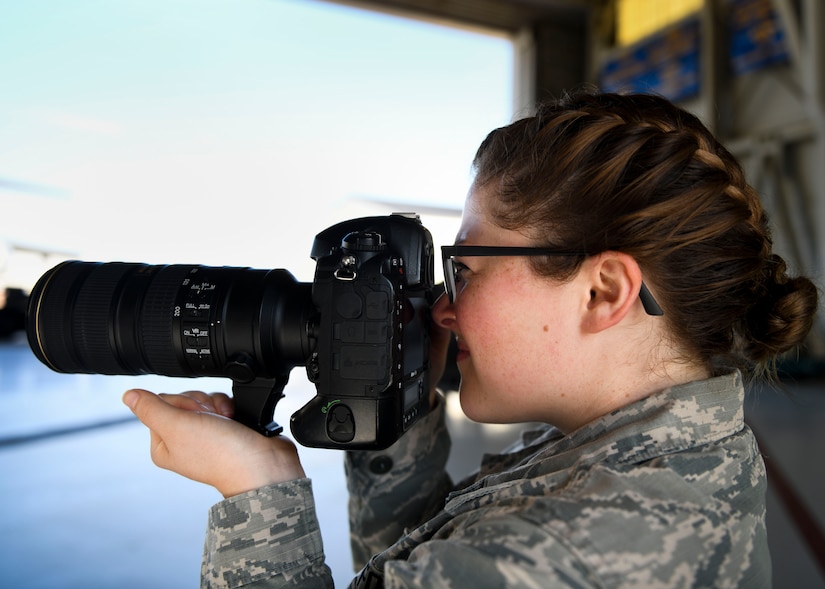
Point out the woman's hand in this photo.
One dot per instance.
(193, 435)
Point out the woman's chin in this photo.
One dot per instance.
(475, 407)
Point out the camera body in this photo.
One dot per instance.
(361, 329)
(373, 284)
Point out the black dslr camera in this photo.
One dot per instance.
(360, 328)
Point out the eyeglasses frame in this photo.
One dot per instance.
(449, 252)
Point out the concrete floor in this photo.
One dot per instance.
(83, 506)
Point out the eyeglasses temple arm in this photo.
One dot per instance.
(649, 303)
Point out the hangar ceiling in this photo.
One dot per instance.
(507, 15)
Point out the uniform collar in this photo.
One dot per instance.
(673, 420)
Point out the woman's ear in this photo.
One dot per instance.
(614, 280)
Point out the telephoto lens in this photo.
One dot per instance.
(173, 320)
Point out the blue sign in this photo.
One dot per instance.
(666, 63)
(755, 36)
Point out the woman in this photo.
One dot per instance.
(612, 278)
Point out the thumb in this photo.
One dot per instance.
(150, 409)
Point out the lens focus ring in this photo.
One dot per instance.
(92, 322)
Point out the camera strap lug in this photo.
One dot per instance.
(346, 274)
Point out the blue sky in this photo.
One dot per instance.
(230, 131)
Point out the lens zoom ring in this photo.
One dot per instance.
(158, 324)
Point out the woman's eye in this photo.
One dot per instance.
(458, 271)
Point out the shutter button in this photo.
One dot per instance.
(340, 424)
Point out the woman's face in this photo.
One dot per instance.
(516, 331)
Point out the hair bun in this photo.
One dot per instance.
(784, 313)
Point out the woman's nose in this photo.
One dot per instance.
(443, 312)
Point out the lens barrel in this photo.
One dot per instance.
(174, 320)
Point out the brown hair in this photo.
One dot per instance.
(634, 173)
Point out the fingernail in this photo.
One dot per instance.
(130, 399)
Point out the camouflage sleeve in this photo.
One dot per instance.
(399, 487)
(265, 538)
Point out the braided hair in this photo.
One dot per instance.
(594, 172)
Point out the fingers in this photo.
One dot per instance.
(187, 402)
(218, 403)
(224, 404)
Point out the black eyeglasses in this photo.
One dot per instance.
(449, 252)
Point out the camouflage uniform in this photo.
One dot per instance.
(666, 492)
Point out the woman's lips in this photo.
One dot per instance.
(462, 354)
